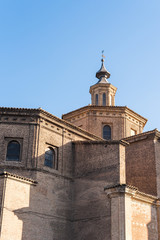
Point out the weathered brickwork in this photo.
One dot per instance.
(96, 165)
(141, 164)
(100, 157)
(144, 221)
(157, 160)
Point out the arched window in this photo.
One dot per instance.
(96, 99)
(104, 99)
(13, 151)
(107, 132)
(49, 158)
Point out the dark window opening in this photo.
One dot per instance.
(13, 151)
(96, 99)
(104, 99)
(49, 158)
(107, 132)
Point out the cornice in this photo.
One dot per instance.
(133, 192)
(69, 126)
(89, 108)
(7, 110)
(104, 142)
(142, 136)
(102, 85)
(17, 177)
(40, 113)
(135, 115)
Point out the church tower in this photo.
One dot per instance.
(102, 117)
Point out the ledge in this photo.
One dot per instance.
(142, 136)
(17, 177)
(133, 192)
(104, 142)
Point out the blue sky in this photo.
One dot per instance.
(50, 51)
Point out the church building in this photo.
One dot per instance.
(92, 175)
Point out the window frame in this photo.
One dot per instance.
(18, 140)
(108, 125)
(51, 163)
(56, 154)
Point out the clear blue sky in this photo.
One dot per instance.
(50, 51)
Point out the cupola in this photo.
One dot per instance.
(103, 92)
(102, 74)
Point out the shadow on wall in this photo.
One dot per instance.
(152, 226)
(41, 211)
(61, 209)
(48, 215)
(144, 220)
(58, 208)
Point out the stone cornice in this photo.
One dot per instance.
(133, 192)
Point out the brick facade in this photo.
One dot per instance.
(69, 201)
(94, 189)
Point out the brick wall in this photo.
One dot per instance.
(96, 165)
(140, 164)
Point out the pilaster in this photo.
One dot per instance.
(124, 216)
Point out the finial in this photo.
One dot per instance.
(102, 74)
(102, 56)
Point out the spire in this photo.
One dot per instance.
(102, 74)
